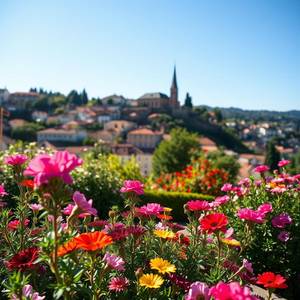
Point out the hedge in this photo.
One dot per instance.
(174, 200)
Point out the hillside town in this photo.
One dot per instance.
(131, 127)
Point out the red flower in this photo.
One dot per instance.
(196, 205)
(271, 281)
(24, 260)
(15, 224)
(28, 183)
(214, 222)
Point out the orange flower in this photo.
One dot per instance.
(67, 248)
(92, 241)
(165, 217)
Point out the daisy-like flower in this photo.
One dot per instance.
(133, 186)
(198, 205)
(67, 248)
(114, 261)
(150, 209)
(271, 281)
(231, 242)
(152, 281)
(15, 159)
(92, 241)
(283, 163)
(162, 266)
(251, 215)
(261, 169)
(283, 236)
(36, 206)
(164, 234)
(118, 284)
(198, 290)
(214, 222)
(23, 260)
(83, 205)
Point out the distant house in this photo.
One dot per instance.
(120, 126)
(15, 123)
(4, 96)
(207, 144)
(39, 116)
(144, 138)
(18, 101)
(61, 135)
(114, 100)
(108, 136)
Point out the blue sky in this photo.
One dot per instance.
(242, 53)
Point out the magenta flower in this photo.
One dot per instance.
(84, 205)
(27, 292)
(245, 181)
(68, 209)
(115, 262)
(179, 281)
(232, 290)
(44, 167)
(15, 159)
(283, 163)
(261, 169)
(134, 186)
(151, 209)
(36, 207)
(281, 220)
(196, 205)
(251, 215)
(118, 284)
(283, 236)
(265, 208)
(247, 265)
(198, 290)
(226, 187)
(220, 201)
(2, 191)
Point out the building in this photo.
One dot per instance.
(4, 96)
(61, 135)
(144, 138)
(160, 100)
(114, 100)
(120, 126)
(20, 100)
(39, 116)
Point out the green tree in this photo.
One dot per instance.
(84, 97)
(188, 101)
(174, 154)
(294, 167)
(218, 115)
(272, 156)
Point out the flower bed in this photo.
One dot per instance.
(53, 245)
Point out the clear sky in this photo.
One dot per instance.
(243, 53)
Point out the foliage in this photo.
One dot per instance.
(174, 154)
(28, 132)
(294, 167)
(188, 101)
(272, 155)
(174, 200)
(206, 174)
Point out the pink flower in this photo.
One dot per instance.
(265, 208)
(151, 209)
(281, 220)
(261, 169)
(198, 290)
(83, 205)
(283, 236)
(247, 265)
(220, 201)
(44, 167)
(232, 290)
(15, 224)
(68, 209)
(226, 187)
(245, 181)
(118, 284)
(15, 159)
(134, 186)
(283, 163)
(2, 191)
(114, 261)
(251, 215)
(196, 205)
(36, 206)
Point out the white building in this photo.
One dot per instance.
(61, 135)
(4, 95)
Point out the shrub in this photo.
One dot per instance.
(174, 200)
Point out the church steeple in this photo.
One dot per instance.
(174, 91)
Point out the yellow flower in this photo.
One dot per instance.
(165, 234)
(231, 242)
(167, 209)
(152, 281)
(162, 266)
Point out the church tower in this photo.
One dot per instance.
(174, 91)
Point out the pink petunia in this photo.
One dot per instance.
(265, 208)
(150, 209)
(283, 236)
(44, 167)
(15, 159)
(282, 220)
(261, 169)
(283, 163)
(118, 284)
(198, 205)
(251, 215)
(232, 290)
(115, 262)
(198, 290)
(134, 186)
(84, 205)
(220, 201)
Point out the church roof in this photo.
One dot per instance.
(154, 96)
(174, 81)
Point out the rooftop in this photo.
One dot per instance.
(154, 96)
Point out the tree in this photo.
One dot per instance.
(174, 154)
(294, 167)
(74, 98)
(188, 101)
(84, 97)
(218, 115)
(272, 156)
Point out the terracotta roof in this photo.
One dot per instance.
(154, 96)
(17, 122)
(204, 141)
(144, 131)
(58, 131)
(24, 94)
